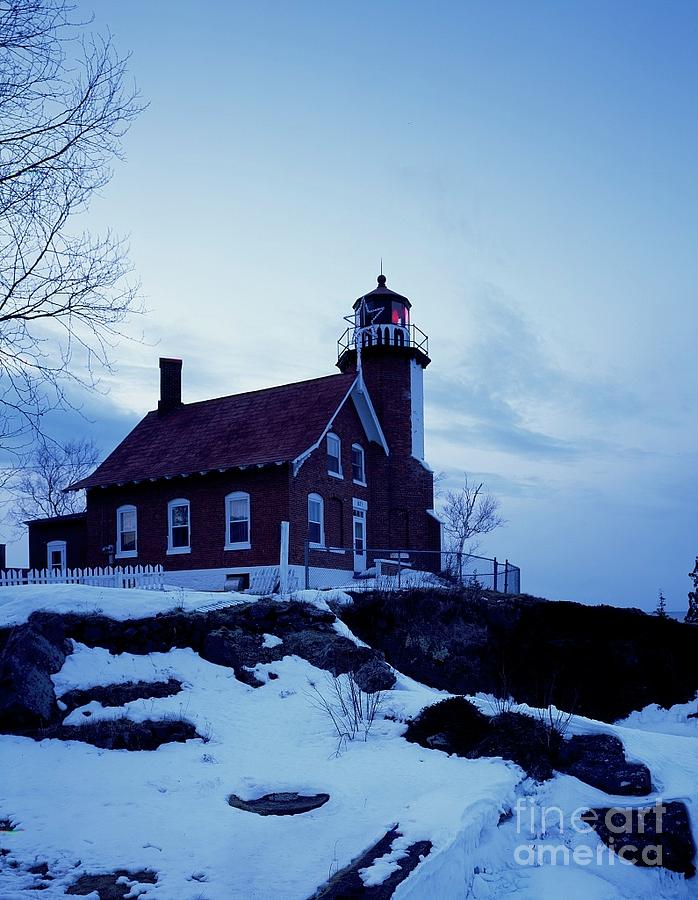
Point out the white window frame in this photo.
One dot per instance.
(171, 549)
(331, 436)
(125, 554)
(316, 498)
(52, 547)
(238, 545)
(361, 481)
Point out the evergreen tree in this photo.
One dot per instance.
(661, 607)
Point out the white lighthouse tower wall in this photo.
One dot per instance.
(417, 394)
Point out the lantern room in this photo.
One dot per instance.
(381, 319)
(382, 307)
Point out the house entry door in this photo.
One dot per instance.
(56, 555)
(359, 531)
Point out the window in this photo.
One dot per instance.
(316, 521)
(178, 529)
(358, 468)
(237, 507)
(56, 553)
(126, 532)
(334, 455)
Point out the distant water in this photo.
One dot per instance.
(678, 614)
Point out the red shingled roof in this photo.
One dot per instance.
(258, 428)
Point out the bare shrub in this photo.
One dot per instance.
(351, 710)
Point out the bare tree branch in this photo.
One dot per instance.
(469, 513)
(65, 106)
(36, 485)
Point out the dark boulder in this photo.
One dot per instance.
(27, 697)
(330, 651)
(659, 835)
(374, 675)
(233, 647)
(599, 760)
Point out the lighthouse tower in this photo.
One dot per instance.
(390, 354)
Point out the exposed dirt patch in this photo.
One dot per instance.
(119, 694)
(108, 886)
(123, 734)
(280, 804)
(347, 883)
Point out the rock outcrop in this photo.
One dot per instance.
(599, 760)
(29, 656)
(234, 637)
(598, 661)
(658, 835)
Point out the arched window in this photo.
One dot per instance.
(178, 527)
(316, 520)
(334, 455)
(126, 532)
(358, 464)
(238, 525)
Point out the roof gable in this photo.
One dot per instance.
(367, 415)
(271, 426)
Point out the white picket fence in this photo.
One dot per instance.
(147, 578)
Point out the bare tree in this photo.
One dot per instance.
(64, 108)
(37, 489)
(469, 513)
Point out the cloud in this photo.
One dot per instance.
(505, 391)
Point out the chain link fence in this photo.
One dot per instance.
(396, 569)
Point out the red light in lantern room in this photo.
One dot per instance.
(401, 315)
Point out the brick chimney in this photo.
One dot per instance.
(170, 384)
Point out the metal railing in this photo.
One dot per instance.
(382, 336)
(397, 569)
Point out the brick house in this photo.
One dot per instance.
(202, 488)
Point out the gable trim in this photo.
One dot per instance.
(366, 413)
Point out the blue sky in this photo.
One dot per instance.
(527, 171)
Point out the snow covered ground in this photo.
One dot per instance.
(79, 808)
(18, 603)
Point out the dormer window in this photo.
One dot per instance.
(334, 456)
(358, 464)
